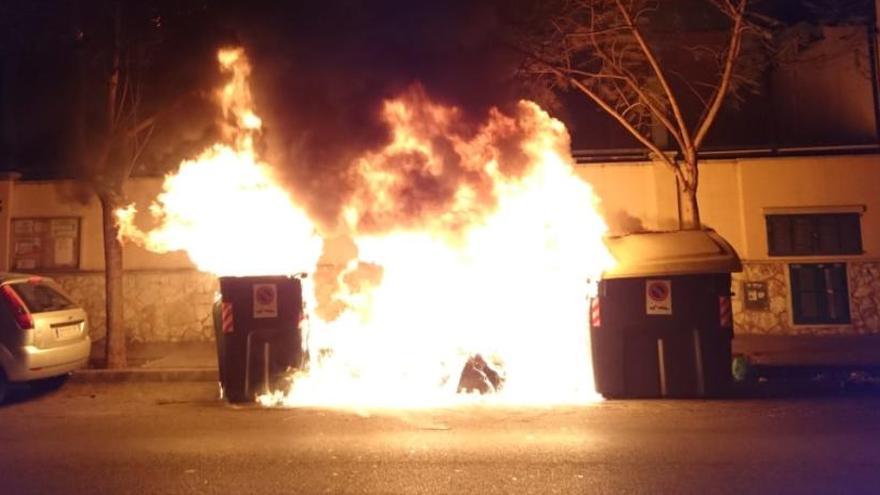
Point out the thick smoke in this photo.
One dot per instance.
(322, 71)
(438, 173)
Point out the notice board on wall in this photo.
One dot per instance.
(49, 243)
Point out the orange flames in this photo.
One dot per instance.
(467, 240)
(224, 207)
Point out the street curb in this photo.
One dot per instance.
(145, 375)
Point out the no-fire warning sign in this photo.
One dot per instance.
(658, 297)
(265, 301)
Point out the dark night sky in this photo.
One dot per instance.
(321, 69)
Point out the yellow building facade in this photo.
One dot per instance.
(796, 287)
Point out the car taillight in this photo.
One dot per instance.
(19, 310)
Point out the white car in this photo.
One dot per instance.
(43, 334)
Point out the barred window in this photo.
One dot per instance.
(819, 293)
(814, 234)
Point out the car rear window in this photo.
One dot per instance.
(41, 298)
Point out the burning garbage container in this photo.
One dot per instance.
(259, 339)
(661, 324)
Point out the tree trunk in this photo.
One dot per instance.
(113, 293)
(688, 209)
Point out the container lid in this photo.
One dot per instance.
(671, 253)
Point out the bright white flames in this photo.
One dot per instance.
(224, 207)
(488, 253)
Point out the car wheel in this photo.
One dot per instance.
(51, 383)
(4, 386)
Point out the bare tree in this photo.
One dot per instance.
(133, 74)
(123, 94)
(638, 63)
(109, 144)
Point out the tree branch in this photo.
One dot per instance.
(619, 67)
(655, 66)
(655, 108)
(121, 100)
(625, 123)
(707, 119)
(138, 150)
(691, 87)
(594, 75)
(115, 69)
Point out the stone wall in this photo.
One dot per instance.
(864, 295)
(777, 318)
(160, 305)
(175, 305)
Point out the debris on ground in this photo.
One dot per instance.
(478, 376)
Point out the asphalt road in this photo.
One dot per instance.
(178, 438)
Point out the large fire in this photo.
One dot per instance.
(224, 206)
(467, 242)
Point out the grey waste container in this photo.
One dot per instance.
(259, 339)
(661, 322)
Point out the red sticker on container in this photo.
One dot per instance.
(265, 301)
(658, 297)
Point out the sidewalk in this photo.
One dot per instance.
(809, 351)
(806, 365)
(155, 361)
